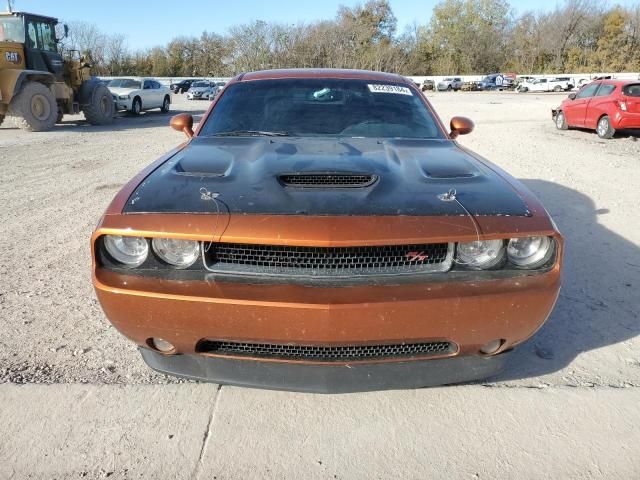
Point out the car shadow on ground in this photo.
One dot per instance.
(619, 135)
(126, 121)
(598, 304)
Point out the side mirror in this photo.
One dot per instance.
(572, 96)
(183, 122)
(66, 30)
(460, 126)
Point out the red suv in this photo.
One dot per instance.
(604, 106)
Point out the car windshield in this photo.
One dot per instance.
(11, 30)
(124, 83)
(321, 107)
(200, 84)
(448, 79)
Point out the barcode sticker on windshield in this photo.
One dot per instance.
(390, 89)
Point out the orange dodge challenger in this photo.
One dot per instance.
(322, 231)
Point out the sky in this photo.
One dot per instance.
(149, 23)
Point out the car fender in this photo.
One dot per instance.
(140, 95)
(11, 81)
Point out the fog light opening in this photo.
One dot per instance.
(161, 345)
(492, 347)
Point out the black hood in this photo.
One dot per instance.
(246, 173)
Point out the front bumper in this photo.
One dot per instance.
(468, 314)
(467, 309)
(324, 378)
(122, 104)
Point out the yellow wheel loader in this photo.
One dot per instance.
(37, 84)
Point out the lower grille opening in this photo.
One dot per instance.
(324, 353)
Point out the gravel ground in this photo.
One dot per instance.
(56, 185)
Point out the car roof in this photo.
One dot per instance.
(622, 82)
(322, 73)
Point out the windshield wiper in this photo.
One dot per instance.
(251, 133)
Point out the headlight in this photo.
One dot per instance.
(130, 251)
(481, 254)
(529, 252)
(123, 97)
(179, 253)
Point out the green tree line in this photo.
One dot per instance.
(461, 37)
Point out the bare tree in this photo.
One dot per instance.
(463, 36)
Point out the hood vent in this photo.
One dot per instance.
(327, 180)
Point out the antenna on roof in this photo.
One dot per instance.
(10, 5)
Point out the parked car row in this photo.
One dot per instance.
(604, 106)
(558, 84)
(138, 94)
(193, 85)
(182, 86)
(495, 81)
(509, 81)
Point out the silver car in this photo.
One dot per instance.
(450, 83)
(215, 90)
(200, 90)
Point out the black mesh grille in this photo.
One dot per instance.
(327, 180)
(330, 260)
(322, 353)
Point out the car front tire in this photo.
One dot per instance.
(166, 103)
(136, 106)
(561, 121)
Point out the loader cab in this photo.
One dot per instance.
(41, 45)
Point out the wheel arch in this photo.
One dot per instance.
(564, 114)
(602, 114)
(138, 98)
(11, 81)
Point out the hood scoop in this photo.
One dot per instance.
(327, 180)
(199, 161)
